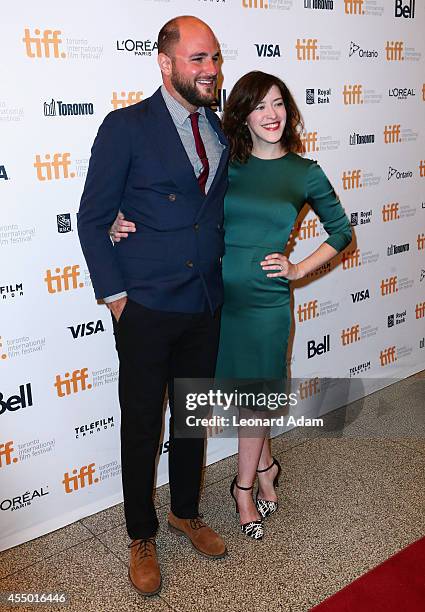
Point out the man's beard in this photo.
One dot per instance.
(190, 93)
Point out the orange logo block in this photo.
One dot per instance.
(307, 49)
(389, 285)
(60, 281)
(423, 92)
(2, 355)
(420, 310)
(307, 229)
(388, 355)
(422, 168)
(353, 7)
(392, 133)
(351, 179)
(309, 387)
(53, 170)
(72, 383)
(126, 99)
(353, 94)
(261, 4)
(309, 140)
(43, 45)
(351, 334)
(394, 51)
(351, 259)
(6, 451)
(421, 241)
(80, 479)
(390, 212)
(307, 311)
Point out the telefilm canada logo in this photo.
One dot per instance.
(58, 108)
(11, 291)
(89, 429)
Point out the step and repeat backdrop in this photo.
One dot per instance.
(356, 69)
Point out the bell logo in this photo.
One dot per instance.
(307, 311)
(388, 356)
(309, 141)
(353, 7)
(309, 387)
(319, 348)
(421, 241)
(261, 4)
(390, 212)
(351, 179)
(3, 173)
(61, 280)
(353, 94)
(350, 335)
(351, 259)
(422, 168)
(392, 133)
(307, 229)
(80, 479)
(6, 451)
(53, 170)
(307, 49)
(394, 51)
(389, 285)
(126, 99)
(41, 45)
(420, 310)
(407, 10)
(72, 383)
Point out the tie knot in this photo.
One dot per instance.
(194, 118)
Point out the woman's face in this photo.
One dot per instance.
(267, 121)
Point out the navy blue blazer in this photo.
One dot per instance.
(139, 165)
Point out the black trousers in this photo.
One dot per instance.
(154, 347)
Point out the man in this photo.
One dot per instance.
(163, 162)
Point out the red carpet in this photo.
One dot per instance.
(397, 585)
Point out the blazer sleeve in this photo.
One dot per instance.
(324, 201)
(103, 192)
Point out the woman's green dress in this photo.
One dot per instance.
(261, 207)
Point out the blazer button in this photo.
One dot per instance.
(196, 227)
(219, 226)
(189, 263)
(172, 197)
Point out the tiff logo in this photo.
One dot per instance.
(351, 259)
(422, 168)
(72, 383)
(389, 285)
(307, 49)
(308, 388)
(350, 335)
(394, 51)
(309, 140)
(388, 356)
(353, 94)
(351, 179)
(127, 98)
(392, 133)
(58, 168)
(80, 479)
(307, 229)
(421, 241)
(420, 310)
(353, 7)
(307, 311)
(261, 4)
(6, 451)
(61, 280)
(390, 212)
(42, 45)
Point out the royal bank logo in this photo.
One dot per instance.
(23, 500)
(125, 98)
(357, 50)
(352, 94)
(58, 168)
(70, 383)
(90, 429)
(401, 93)
(394, 173)
(404, 9)
(80, 478)
(362, 218)
(360, 139)
(267, 50)
(137, 47)
(394, 51)
(324, 5)
(67, 109)
(64, 223)
(64, 279)
(318, 96)
(396, 318)
(11, 291)
(395, 249)
(353, 7)
(3, 173)
(45, 44)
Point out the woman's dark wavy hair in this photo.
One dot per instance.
(246, 94)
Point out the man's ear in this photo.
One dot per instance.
(165, 64)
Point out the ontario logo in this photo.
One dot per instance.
(66, 109)
(393, 172)
(356, 49)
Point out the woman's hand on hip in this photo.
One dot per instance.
(279, 262)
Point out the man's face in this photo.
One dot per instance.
(195, 65)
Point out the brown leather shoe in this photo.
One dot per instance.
(144, 571)
(203, 538)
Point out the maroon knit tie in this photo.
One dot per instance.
(200, 149)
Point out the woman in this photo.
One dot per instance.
(269, 182)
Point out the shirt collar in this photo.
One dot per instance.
(177, 111)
